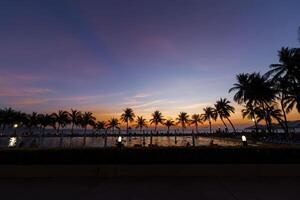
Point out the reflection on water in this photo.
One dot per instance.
(52, 142)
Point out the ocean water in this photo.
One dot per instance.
(75, 142)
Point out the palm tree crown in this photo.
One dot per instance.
(183, 119)
(87, 119)
(113, 123)
(208, 115)
(223, 110)
(157, 118)
(127, 116)
(196, 119)
(61, 118)
(141, 122)
(75, 117)
(169, 123)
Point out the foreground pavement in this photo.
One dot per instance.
(151, 188)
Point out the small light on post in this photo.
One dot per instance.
(15, 129)
(244, 141)
(253, 119)
(119, 142)
(120, 139)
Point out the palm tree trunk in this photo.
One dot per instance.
(266, 117)
(168, 130)
(224, 123)
(84, 137)
(197, 128)
(3, 128)
(144, 143)
(210, 127)
(256, 127)
(193, 138)
(57, 130)
(105, 138)
(151, 135)
(127, 132)
(72, 130)
(285, 118)
(40, 135)
(175, 134)
(42, 142)
(61, 138)
(234, 130)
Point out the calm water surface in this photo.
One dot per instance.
(52, 142)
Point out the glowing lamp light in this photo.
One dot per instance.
(15, 125)
(244, 139)
(119, 139)
(12, 142)
(253, 119)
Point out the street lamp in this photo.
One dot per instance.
(15, 129)
(244, 141)
(119, 142)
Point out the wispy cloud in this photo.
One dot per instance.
(141, 95)
(65, 99)
(23, 92)
(194, 106)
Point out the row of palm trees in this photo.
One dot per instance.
(273, 95)
(75, 119)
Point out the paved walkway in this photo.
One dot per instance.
(151, 188)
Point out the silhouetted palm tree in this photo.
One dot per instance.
(128, 116)
(209, 115)
(75, 117)
(288, 67)
(254, 89)
(87, 119)
(196, 120)
(141, 123)
(100, 125)
(112, 124)
(220, 114)
(169, 123)
(287, 72)
(157, 118)
(183, 119)
(44, 121)
(268, 114)
(31, 121)
(61, 119)
(223, 110)
(251, 113)
(242, 88)
(292, 99)
(7, 118)
(281, 86)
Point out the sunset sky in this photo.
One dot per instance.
(104, 56)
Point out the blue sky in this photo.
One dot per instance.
(103, 56)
